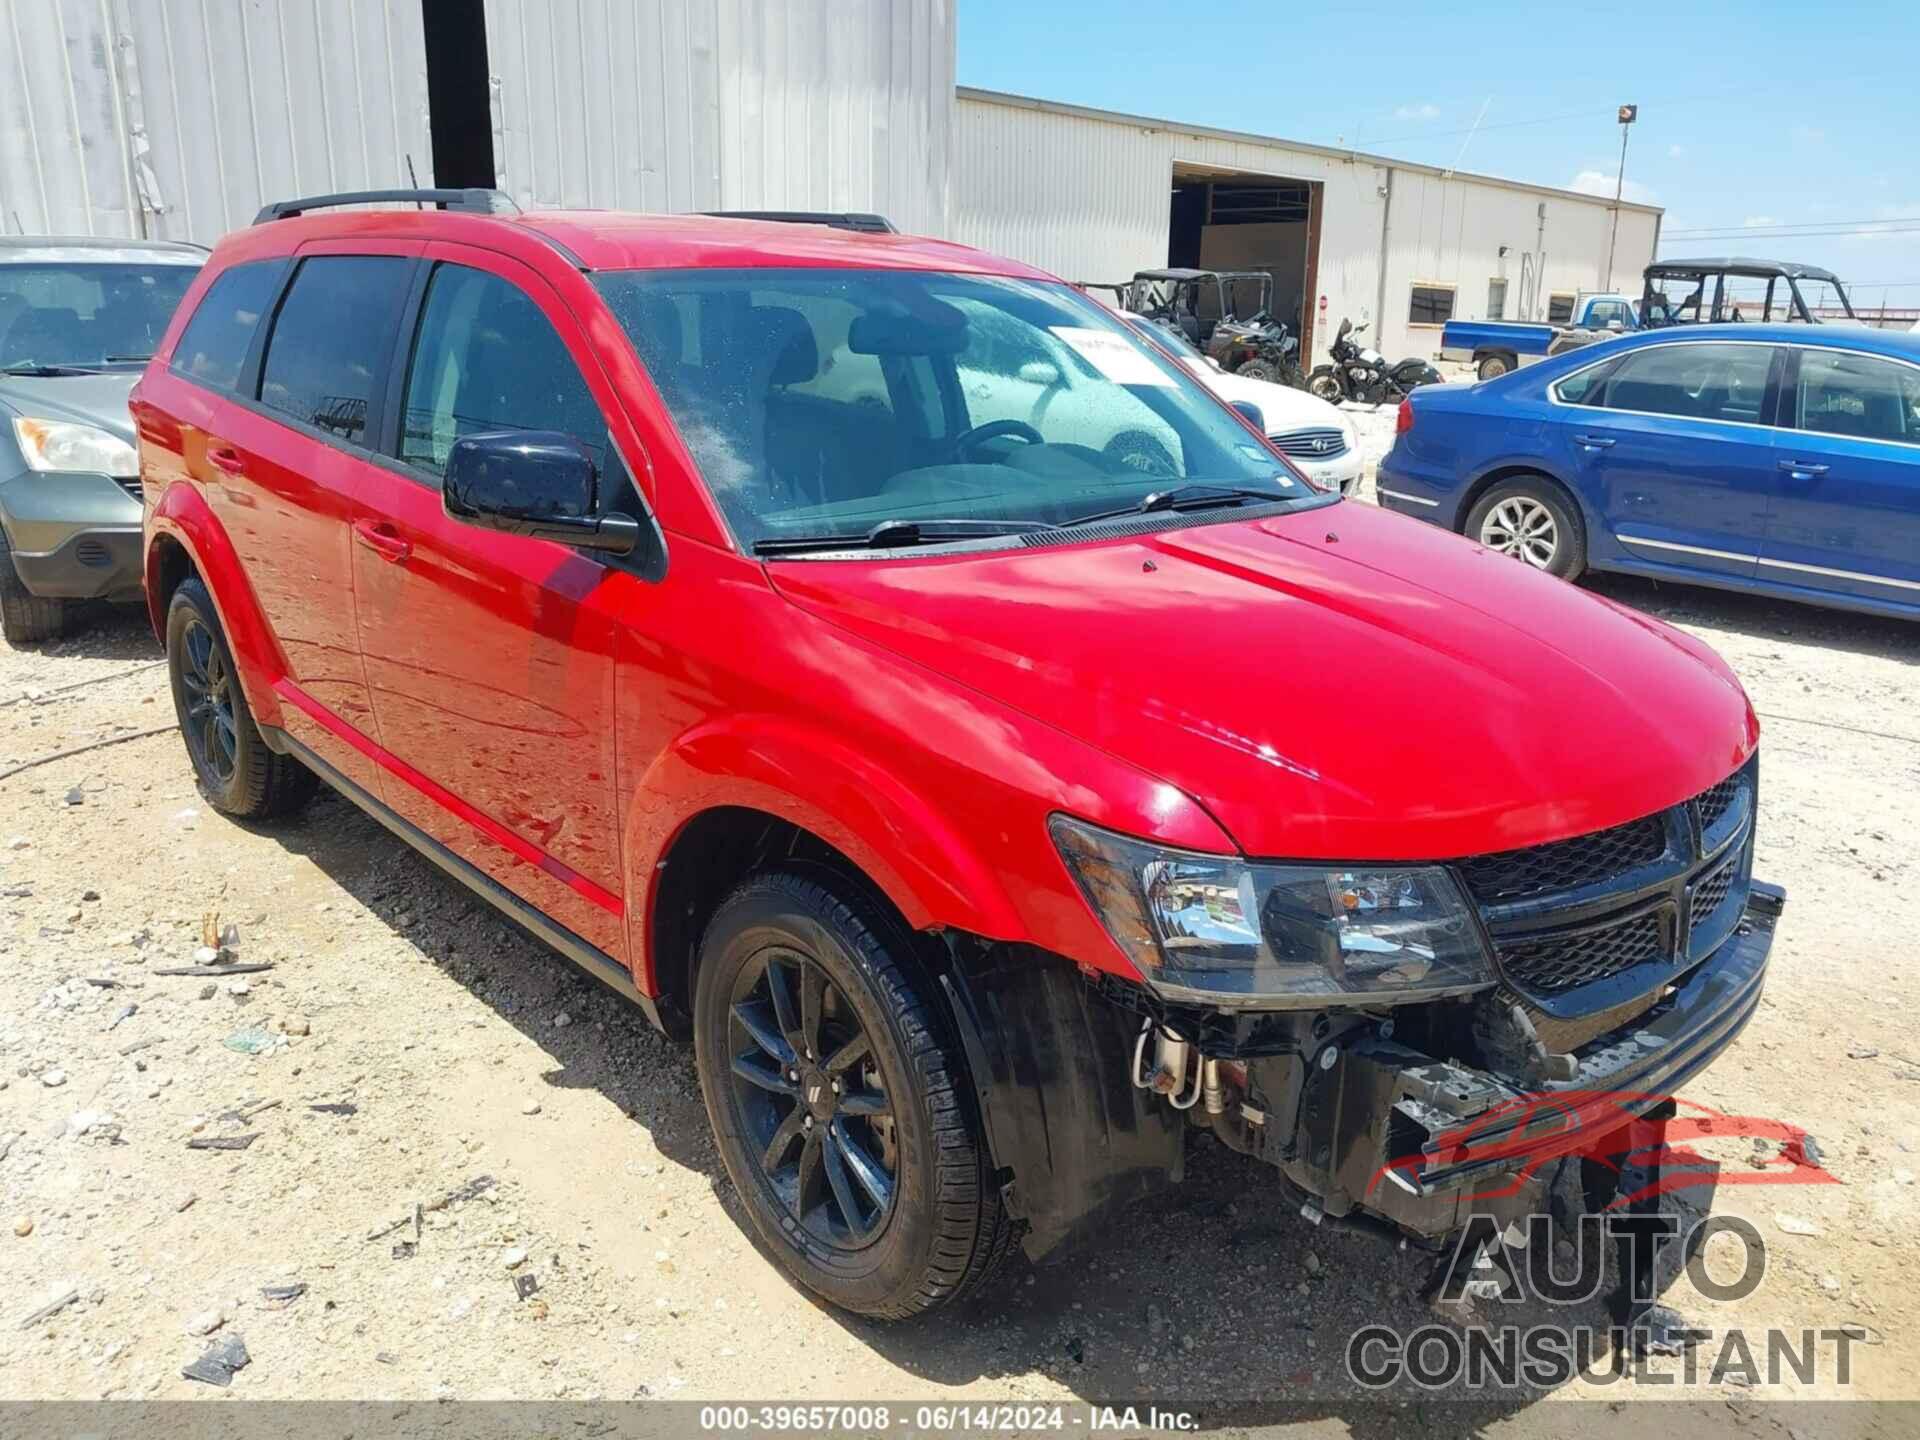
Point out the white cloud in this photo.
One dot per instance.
(1674, 152)
(1417, 112)
(1754, 222)
(1600, 182)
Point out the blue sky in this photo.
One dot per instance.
(1753, 118)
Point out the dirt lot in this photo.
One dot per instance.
(451, 1048)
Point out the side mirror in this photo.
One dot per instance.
(532, 482)
(1252, 413)
(1043, 373)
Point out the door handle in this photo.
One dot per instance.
(1802, 469)
(1593, 442)
(382, 539)
(225, 457)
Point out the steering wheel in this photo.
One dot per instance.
(967, 440)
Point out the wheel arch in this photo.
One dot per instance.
(706, 859)
(749, 788)
(1515, 469)
(185, 538)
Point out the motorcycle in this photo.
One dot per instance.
(1260, 349)
(1365, 375)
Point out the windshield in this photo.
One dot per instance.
(1166, 335)
(86, 314)
(827, 402)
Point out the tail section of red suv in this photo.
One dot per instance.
(889, 671)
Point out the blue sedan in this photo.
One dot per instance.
(1778, 459)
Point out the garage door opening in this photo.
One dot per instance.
(1236, 220)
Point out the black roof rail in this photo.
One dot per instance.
(866, 224)
(486, 202)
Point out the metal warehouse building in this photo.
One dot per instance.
(179, 118)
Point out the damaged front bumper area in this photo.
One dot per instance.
(1405, 1121)
(1377, 1124)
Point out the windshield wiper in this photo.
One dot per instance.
(34, 370)
(1183, 497)
(126, 359)
(891, 534)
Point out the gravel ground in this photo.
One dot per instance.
(440, 1108)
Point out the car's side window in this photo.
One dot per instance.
(486, 358)
(213, 347)
(1703, 381)
(1584, 387)
(326, 356)
(1861, 396)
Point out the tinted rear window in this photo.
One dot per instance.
(213, 347)
(331, 341)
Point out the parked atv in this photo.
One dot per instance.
(1365, 375)
(1260, 349)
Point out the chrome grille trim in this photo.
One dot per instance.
(1314, 443)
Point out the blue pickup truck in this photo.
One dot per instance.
(1493, 347)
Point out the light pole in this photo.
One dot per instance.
(1628, 114)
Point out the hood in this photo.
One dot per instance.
(90, 399)
(1341, 683)
(1282, 407)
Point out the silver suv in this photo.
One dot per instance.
(78, 319)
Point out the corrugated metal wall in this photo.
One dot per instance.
(725, 104)
(177, 119)
(1085, 195)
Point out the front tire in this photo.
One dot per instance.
(1530, 519)
(840, 1100)
(25, 618)
(1260, 370)
(1324, 384)
(238, 774)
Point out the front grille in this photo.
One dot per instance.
(1716, 801)
(1565, 864)
(92, 552)
(130, 484)
(1711, 893)
(1573, 912)
(1566, 962)
(1313, 444)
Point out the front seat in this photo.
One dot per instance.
(46, 336)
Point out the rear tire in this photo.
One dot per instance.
(868, 1179)
(26, 618)
(1531, 519)
(1493, 367)
(238, 774)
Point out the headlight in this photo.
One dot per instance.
(1223, 931)
(62, 445)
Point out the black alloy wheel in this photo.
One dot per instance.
(839, 1096)
(238, 773)
(805, 1081)
(206, 711)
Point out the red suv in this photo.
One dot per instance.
(874, 660)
